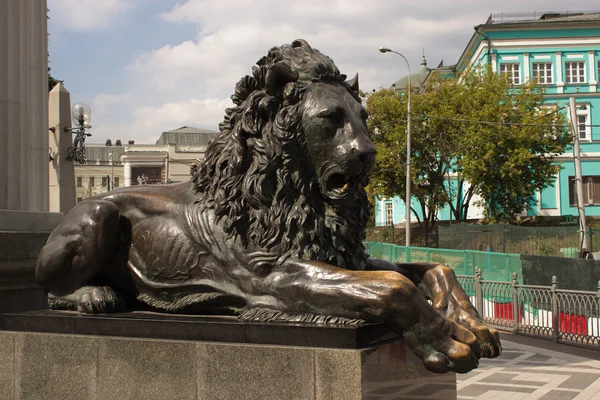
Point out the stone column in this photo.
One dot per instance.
(526, 67)
(559, 74)
(62, 172)
(592, 70)
(127, 172)
(25, 222)
(23, 105)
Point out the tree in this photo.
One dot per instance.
(431, 152)
(510, 153)
(492, 138)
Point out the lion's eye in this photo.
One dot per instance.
(336, 117)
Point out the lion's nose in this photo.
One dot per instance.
(365, 152)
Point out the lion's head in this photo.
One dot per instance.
(288, 170)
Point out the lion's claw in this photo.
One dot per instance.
(487, 337)
(491, 346)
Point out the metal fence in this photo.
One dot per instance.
(565, 316)
(562, 241)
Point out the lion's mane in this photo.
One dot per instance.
(256, 180)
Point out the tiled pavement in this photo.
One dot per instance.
(532, 372)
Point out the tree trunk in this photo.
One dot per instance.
(466, 203)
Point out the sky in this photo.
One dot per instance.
(149, 66)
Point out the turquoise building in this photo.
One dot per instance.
(562, 52)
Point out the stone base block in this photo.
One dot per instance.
(28, 221)
(73, 366)
(18, 255)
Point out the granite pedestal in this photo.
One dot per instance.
(143, 355)
(18, 254)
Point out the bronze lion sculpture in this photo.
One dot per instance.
(270, 227)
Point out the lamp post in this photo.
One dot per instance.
(81, 114)
(408, 150)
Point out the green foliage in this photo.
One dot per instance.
(480, 129)
(51, 81)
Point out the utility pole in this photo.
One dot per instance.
(578, 175)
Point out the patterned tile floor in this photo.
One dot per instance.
(532, 372)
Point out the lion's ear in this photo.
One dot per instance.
(243, 88)
(353, 83)
(278, 75)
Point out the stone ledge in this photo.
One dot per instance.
(152, 325)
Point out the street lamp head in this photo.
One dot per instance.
(384, 49)
(81, 113)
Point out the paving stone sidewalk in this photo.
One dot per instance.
(528, 372)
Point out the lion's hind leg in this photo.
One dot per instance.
(72, 264)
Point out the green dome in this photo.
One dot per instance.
(416, 78)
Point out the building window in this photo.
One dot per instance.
(591, 190)
(116, 182)
(79, 182)
(104, 181)
(512, 71)
(79, 199)
(542, 72)
(575, 72)
(389, 213)
(91, 181)
(583, 123)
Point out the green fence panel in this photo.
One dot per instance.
(498, 267)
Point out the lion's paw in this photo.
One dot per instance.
(444, 346)
(464, 314)
(99, 299)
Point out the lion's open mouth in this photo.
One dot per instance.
(339, 184)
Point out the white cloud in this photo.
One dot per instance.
(85, 15)
(233, 35)
(149, 122)
(183, 82)
(102, 102)
(193, 112)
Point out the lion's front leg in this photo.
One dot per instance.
(301, 287)
(439, 284)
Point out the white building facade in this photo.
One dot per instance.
(112, 166)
